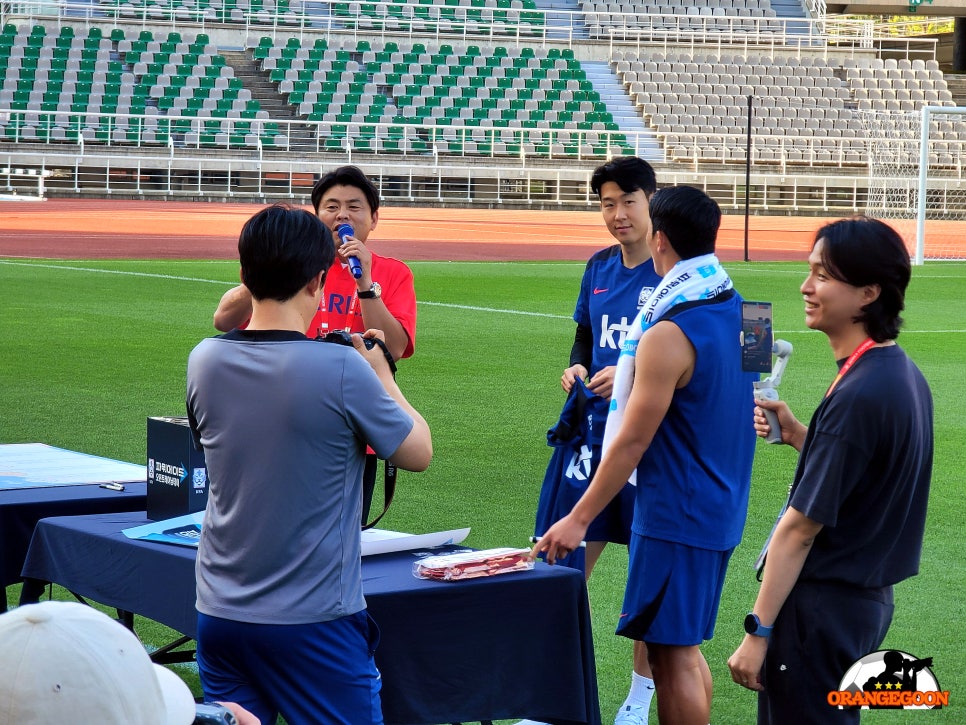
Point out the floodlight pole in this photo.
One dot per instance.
(918, 255)
(748, 177)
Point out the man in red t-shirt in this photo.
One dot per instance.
(383, 298)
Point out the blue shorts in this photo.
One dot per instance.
(673, 591)
(308, 673)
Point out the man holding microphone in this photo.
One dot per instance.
(383, 297)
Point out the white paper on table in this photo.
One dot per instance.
(186, 531)
(380, 541)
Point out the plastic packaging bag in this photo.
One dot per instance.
(473, 564)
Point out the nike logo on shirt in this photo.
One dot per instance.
(597, 290)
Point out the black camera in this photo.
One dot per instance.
(341, 337)
(209, 713)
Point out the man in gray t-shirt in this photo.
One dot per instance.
(284, 422)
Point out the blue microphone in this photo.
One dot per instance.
(346, 230)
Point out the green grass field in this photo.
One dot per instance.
(91, 349)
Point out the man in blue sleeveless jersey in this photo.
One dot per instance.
(856, 513)
(683, 433)
(617, 281)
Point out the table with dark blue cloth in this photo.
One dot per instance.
(22, 508)
(504, 647)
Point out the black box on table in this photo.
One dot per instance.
(177, 475)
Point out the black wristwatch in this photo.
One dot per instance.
(754, 627)
(374, 292)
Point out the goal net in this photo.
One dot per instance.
(917, 178)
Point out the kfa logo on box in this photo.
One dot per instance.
(199, 477)
(151, 469)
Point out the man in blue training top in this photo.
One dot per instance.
(616, 283)
(682, 428)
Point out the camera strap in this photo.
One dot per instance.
(386, 354)
(389, 478)
(369, 470)
(389, 474)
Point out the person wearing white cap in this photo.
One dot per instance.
(67, 662)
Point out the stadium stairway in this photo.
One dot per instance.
(621, 108)
(793, 10)
(561, 21)
(957, 87)
(788, 8)
(264, 91)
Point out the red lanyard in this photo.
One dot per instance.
(853, 358)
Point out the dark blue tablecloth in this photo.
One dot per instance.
(511, 646)
(20, 509)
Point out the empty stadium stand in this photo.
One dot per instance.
(805, 109)
(495, 17)
(606, 18)
(96, 88)
(266, 12)
(492, 85)
(378, 97)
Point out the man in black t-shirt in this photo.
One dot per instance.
(856, 512)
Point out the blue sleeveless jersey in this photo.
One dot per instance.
(693, 480)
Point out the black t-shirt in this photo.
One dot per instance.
(864, 473)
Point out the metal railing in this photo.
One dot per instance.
(163, 177)
(428, 144)
(557, 26)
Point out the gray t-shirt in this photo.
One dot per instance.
(284, 422)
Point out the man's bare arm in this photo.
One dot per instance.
(664, 363)
(416, 450)
(664, 359)
(787, 552)
(234, 309)
(375, 315)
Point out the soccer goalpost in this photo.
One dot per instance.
(917, 178)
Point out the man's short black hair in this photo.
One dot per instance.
(630, 173)
(689, 219)
(280, 249)
(346, 176)
(865, 251)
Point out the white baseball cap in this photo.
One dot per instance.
(67, 662)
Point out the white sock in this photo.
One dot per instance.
(641, 692)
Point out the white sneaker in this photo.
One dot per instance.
(529, 722)
(631, 715)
